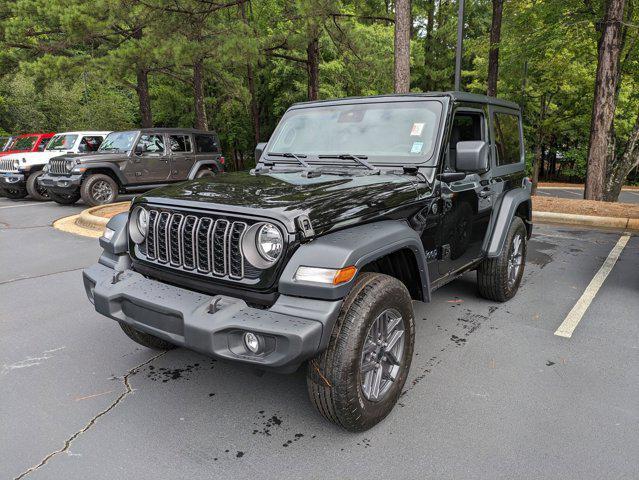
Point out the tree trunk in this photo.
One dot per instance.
(493, 54)
(312, 67)
(142, 89)
(201, 122)
(603, 109)
(402, 46)
(255, 111)
(537, 162)
(428, 47)
(621, 168)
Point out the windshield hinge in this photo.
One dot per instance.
(411, 170)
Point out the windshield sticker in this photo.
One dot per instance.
(417, 129)
(417, 147)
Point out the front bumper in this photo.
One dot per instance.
(13, 180)
(293, 329)
(60, 183)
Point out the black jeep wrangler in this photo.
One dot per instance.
(133, 161)
(356, 208)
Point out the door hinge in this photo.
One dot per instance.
(445, 252)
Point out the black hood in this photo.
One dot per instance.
(329, 200)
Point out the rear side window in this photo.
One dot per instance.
(206, 144)
(180, 143)
(90, 144)
(507, 138)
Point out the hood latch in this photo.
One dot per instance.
(305, 227)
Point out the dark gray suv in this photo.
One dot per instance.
(133, 161)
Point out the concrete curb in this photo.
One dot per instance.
(587, 220)
(553, 187)
(88, 223)
(90, 218)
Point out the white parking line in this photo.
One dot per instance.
(574, 316)
(579, 194)
(25, 205)
(630, 192)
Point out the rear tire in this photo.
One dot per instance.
(499, 278)
(356, 381)
(204, 173)
(99, 189)
(35, 190)
(14, 193)
(65, 198)
(145, 339)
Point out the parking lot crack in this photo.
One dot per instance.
(40, 276)
(93, 420)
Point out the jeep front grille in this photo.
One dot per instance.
(6, 165)
(57, 166)
(206, 245)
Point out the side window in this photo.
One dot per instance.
(507, 138)
(90, 144)
(180, 143)
(466, 127)
(150, 144)
(206, 144)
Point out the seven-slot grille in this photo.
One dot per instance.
(56, 165)
(201, 244)
(6, 165)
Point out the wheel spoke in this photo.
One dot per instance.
(392, 341)
(391, 325)
(368, 366)
(376, 382)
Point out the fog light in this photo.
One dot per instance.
(252, 342)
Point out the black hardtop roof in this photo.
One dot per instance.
(174, 130)
(454, 96)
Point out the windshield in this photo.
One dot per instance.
(118, 141)
(24, 143)
(393, 132)
(62, 142)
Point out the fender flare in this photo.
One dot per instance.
(202, 163)
(356, 246)
(500, 221)
(109, 166)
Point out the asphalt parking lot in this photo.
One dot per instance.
(492, 391)
(626, 196)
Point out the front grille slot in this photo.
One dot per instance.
(202, 244)
(57, 166)
(6, 165)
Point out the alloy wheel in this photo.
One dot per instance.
(101, 191)
(382, 355)
(515, 259)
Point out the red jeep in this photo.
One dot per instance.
(29, 142)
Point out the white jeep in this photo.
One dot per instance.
(19, 172)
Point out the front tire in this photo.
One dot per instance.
(65, 198)
(35, 190)
(145, 339)
(14, 193)
(357, 380)
(499, 278)
(99, 189)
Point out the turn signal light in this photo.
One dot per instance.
(344, 275)
(328, 276)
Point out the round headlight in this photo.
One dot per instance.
(138, 224)
(69, 164)
(16, 164)
(269, 242)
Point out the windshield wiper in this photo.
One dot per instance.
(290, 155)
(361, 159)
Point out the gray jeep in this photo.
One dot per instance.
(131, 162)
(356, 208)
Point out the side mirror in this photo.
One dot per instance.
(472, 156)
(139, 149)
(259, 149)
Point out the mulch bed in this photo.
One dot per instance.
(585, 207)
